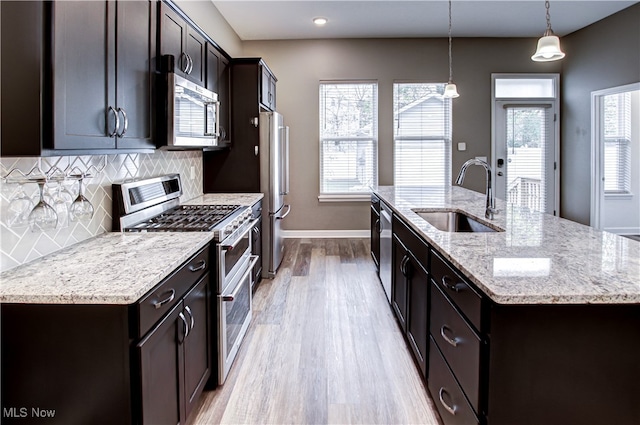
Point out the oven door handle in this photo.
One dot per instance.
(234, 294)
(239, 238)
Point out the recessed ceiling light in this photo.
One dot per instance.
(320, 21)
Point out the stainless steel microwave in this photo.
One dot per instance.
(193, 115)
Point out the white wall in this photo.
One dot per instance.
(621, 215)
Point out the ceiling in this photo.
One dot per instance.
(291, 19)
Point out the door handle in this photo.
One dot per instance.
(500, 174)
(285, 214)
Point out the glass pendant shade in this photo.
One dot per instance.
(450, 90)
(548, 49)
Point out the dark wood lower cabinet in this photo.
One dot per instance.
(175, 359)
(161, 367)
(107, 363)
(502, 364)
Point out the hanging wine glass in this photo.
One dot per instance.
(42, 217)
(62, 200)
(81, 209)
(19, 208)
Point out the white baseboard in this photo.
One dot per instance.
(326, 234)
(623, 230)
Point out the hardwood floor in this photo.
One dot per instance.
(323, 348)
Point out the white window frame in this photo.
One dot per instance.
(597, 153)
(364, 195)
(446, 137)
(555, 101)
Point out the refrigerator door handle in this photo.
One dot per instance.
(281, 217)
(285, 168)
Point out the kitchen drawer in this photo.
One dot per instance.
(168, 293)
(417, 246)
(466, 299)
(458, 343)
(446, 393)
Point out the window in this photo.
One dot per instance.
(348, 138)
(421, 134)
(617, 143)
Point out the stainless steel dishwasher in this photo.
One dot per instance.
(385, 249)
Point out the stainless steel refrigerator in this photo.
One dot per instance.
(274, 183)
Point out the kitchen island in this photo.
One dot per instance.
(538, 322)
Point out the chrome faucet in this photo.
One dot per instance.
(491, 200)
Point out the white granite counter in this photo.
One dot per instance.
(244, 199)
(113, 268)
(538, 259)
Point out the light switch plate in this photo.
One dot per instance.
(462, 146)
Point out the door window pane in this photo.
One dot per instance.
(512, 88)
(527, 150)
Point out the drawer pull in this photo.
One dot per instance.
(448, 408)
(453, 342)
(201, 266)
(171, 297)
(446, 281)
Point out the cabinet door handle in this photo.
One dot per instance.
(448, 408)
(185, 326)
(193, 321)
(172, 295)
(126, 122)
(446, 281)
(185, 61)
(403, 265)
(377, 227)
(202, 264)
(189, 64)
(453, 342)
(117, 123)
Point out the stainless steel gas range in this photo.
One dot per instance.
(153, 205)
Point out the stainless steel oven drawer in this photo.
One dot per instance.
(168, 293)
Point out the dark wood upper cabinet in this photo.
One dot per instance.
(219, 81)
(185, 43)
(221, 167)
(96, 67)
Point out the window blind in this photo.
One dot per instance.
(617, 143)
(422, 135)
(348, 137)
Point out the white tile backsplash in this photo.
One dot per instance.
(20, 246)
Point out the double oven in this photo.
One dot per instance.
(152, 205)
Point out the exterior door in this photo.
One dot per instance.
(525, 167)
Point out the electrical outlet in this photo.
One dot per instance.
(193, 172)
(462, 146)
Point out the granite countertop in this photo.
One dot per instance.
(537, 259)
(244, 199)
(112, 268)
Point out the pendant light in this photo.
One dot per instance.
(549, 44)
(450, 89)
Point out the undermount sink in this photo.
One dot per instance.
(454, 221)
